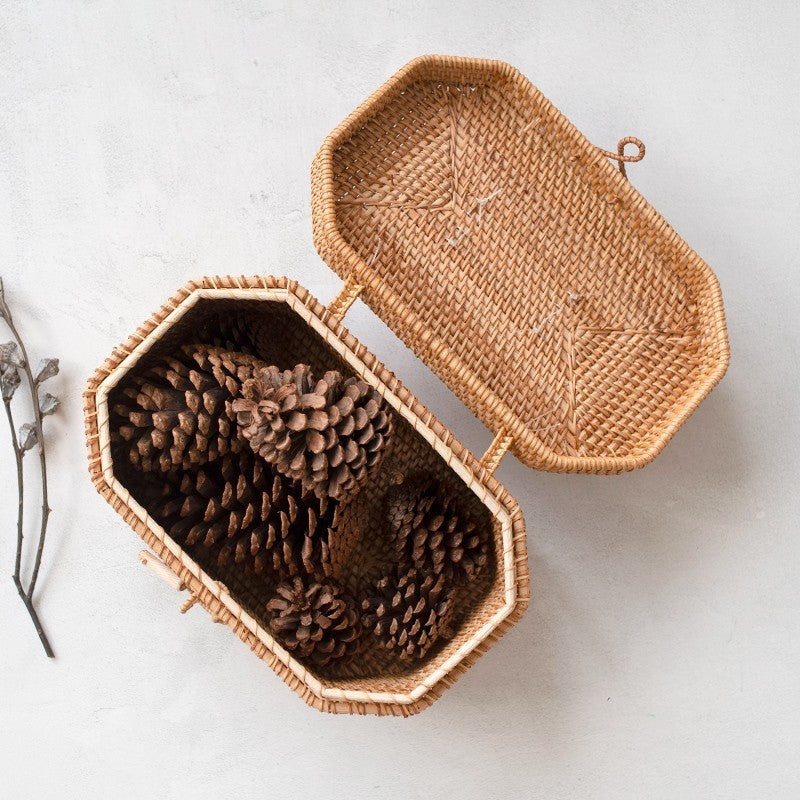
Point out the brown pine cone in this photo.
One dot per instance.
(227, 369)
(234, 332)
(315, 620)
(237, 510)
(329, 434)
(432, 534)
(178, 415)
(409, 613)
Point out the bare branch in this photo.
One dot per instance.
(20, 486)
(35, 617)
(13, 359)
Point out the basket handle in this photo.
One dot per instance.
(351, 289)
(339, 306)
(620, 156)
(500, 445)
(348, 294)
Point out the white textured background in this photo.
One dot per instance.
(145, 143)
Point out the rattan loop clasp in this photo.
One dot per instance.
(188, 603)
(620, 156)
(346, 297)
(491, 459)
(192, 600)
(159, 568)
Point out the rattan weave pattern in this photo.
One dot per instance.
(516, 261)
(421, 440)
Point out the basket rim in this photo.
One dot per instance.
(213, 594)
(462, 380)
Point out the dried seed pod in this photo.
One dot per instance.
(237, 510)
(28, 436)
(178, 415)
(315, 620)
(430, 532)
(329, 434)
(9, 381)
(48, 404)
(408, 613)
(10, 355)
(48, 368)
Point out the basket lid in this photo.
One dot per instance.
(515, 260)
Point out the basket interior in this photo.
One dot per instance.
(284, 339)
(538, 284)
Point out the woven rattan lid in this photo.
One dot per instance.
(519, 264)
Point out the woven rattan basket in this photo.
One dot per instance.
(513, 258)
(520, 265)
(309, 332)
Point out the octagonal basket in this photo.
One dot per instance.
(296, 328)
(514, 259)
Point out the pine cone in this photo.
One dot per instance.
(238, 511)
(430, 533)
(409, 613)
(315, 620)
(233, 332)
(209, 365)
(328, 434)
(178, 415)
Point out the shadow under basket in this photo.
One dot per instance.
(294, 328)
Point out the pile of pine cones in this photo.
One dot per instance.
(247, 465)
(438, 549)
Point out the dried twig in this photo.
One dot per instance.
(13, 361)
